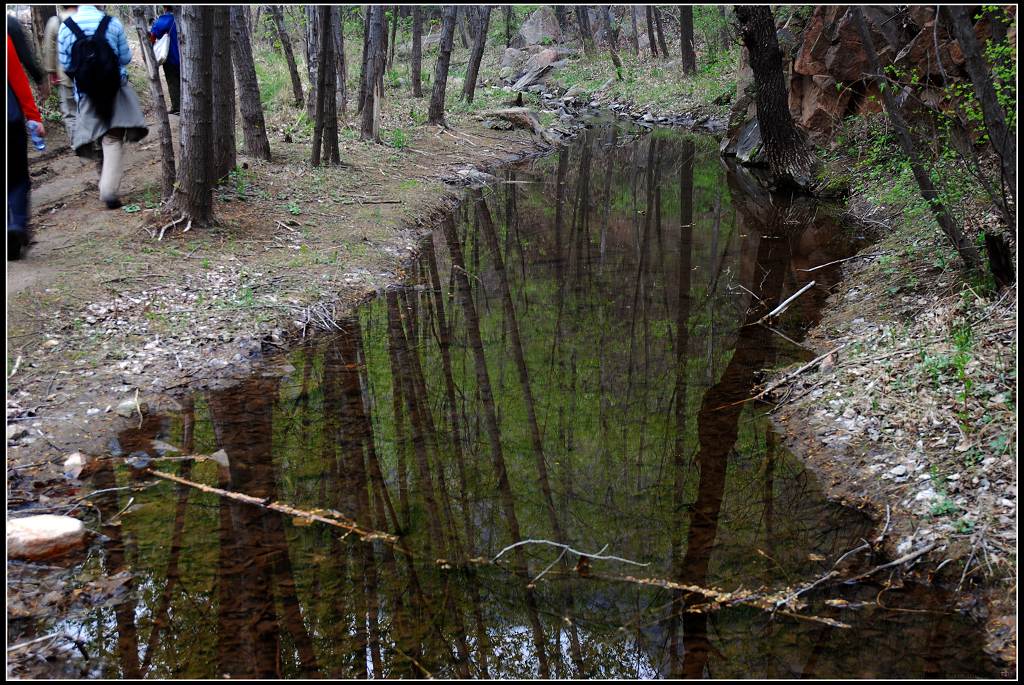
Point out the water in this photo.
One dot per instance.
(569, 362)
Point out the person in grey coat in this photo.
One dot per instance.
(94, 135)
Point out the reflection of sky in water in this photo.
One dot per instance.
(604, 288)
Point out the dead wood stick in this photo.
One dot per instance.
(786, 378)
(902, 560)
(335, 519)
(839, 261)
(782, 307)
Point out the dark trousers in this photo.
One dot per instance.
(18, 185)
(172, 72)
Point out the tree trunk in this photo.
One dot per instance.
(586, 35)
(325, 121)
(723, 30)
(636, 31)
(968, 253)
(613, 39)
(394, 37)
(473, 68)
(340, 62)
(561, 16)
(1003, 139)
(444, 57)
(686, 39)
(362, 71)
(786, 148)
(40, 15)
(417, 52)
(662, 45)
(156, 91)
(461, 22)
(375, 58)
(286, 45)
(194, 191)
(254, 128)
(224, 156)
(652, 44)
(508, 26)
(312, 41)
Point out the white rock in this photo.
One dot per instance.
(897, 471)
(43, 536)
(75, 464)
(925, 495)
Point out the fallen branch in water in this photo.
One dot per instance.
(569, 549)
(788, 377)
(839, 261)
(898, 562)
(785, 304)
(331, 518)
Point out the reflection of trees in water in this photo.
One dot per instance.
(567, 364)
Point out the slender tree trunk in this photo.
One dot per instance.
(374, 85)
(436, 113)
(416, 66)
(224, 155)
(194, 190)
(367, 17)
(724, 39)
(156, 91)
(340, 62)
(286, 45)
(1003, 139)
(586, 34)
(786, 148)
(636, 30)
(508, 26)
(325, 126)
(661, 33)
(613, 39)
(312, 41)
(460, 21)
(686, 39)
(968, 253)
(473, 68)
(652, 43)
(254, 128)
(394, 37)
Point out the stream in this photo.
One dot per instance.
(569, 360)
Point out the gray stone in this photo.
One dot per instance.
(539, 27)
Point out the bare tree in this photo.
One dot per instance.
(686, 39)
(662, 45)
(1003, 139)
(312, 42)
(254, 128)
(444, 57)
(636, 30)
(223, 144)
(193, 190)
(325, 127)
(968, 253)
(394, 37)
(652, 44)
(786, 148)
(473, 68)
(286, 45)
(416, 67)
(375, 58)
(508, 26)
(340, 63)
(156, 91)
(613, 38)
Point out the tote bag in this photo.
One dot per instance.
(162, 48)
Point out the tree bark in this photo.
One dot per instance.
(636, 31)
(156, 91)
(394, 37)
(254, 128)
(286, 45)
(1003, 139)
(362, 71)
(417, 52)
(436, 112)
(789, 155)
(473, 68)
(374, 85)
(224, 155)
(613, 39)
(340, 63)
(586, 34)
(194, 191)
(968, 253)
(661, 33)
(652, 43)
(724, 39)
(325, 126)
(312, 41)
(686, 39)
(508, 26)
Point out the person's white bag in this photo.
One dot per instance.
(162, 48)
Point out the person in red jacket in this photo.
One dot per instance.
(21, 108)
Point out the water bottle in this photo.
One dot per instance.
(37, 140)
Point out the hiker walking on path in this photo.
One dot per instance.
(21, 109)
(93, 50)
(164, 25)
(58, 78)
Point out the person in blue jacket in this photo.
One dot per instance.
(163, 25)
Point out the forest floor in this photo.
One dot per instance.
(913, 415)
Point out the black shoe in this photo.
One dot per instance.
(17, 241)
(114, 204)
